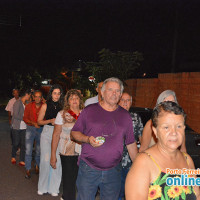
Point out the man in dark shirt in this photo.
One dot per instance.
(126, 102)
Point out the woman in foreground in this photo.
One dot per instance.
(147, 177)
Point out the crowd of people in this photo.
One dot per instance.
(92, 147)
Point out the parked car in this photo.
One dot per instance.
(192, 137)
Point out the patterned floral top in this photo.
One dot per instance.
(159, 190)
(67, 147)
(137, 129)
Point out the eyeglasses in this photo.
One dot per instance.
(125, 100)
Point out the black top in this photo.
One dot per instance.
(52, 109)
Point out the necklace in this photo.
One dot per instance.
(55, 106)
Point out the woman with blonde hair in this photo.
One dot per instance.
(69, 150)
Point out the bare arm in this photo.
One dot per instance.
(132, 150)
(41, 120)
(146, 136)
(32, 123)
(81, 138)
(138, 179)
(191, 166)
(54, 144)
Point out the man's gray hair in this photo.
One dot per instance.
(113, 79)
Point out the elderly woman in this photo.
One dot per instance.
(147, 178)
(65, 120)
(148, 138)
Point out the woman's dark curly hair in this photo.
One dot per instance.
(49, 96)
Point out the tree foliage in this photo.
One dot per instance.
(120, 64)
(25, 78)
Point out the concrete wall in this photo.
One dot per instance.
(186, 86)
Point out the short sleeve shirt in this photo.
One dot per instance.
(138, 128)
(10, 104)
(116, 127)
(91, 100)
(59, 119)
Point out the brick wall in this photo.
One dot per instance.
(186, 86)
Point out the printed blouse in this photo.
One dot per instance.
(66, 145)
(159, 190)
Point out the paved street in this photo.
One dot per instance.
(13, 185)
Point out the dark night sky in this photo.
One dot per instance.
(60, 32)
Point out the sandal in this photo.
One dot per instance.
(13, 161)
(21, 163)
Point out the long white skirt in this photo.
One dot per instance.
(49, 178)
